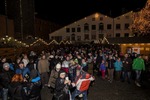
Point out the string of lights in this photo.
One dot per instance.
(141, 20)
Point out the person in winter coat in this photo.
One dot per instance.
(31, 65)
(65, 64)
(2, 61)
(34, 86)
(43, 68)
(62, 87)
(138, 65)
(53, 77)
(17, 88)
(5, 79)
(118, 68)
(72, 70)
(102, 69)
(82, 83)
(110, 68)
(127, 68)
(23, 70)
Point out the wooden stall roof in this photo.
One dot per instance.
(122, 40)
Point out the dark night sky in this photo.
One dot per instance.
(67, 11)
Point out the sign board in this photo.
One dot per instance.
(136, 50)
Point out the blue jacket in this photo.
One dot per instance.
(118, 65)
(25, 71)
(36, 79)
(102, 66)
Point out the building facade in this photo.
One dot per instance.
(44, 27)
(22, 12)
(121, 25)
(6, 26)
(94, 27)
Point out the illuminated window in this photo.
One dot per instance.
(147, 49)
(141, 48)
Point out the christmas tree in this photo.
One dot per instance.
(141, 20)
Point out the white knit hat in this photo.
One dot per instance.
(58, 66)
(6, 65)
(51, 56)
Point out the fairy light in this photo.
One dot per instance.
(141, 20)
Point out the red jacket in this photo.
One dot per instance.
(83, 81)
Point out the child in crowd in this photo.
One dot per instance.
(102, 69)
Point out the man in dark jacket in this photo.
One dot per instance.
(62, 87)
(34, 87)
(5, 79)
(127, 67)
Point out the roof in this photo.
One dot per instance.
(120, 40)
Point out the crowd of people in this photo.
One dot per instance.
(68, 71)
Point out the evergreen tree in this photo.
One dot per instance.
(141, 20)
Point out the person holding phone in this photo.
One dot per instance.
(62, 87)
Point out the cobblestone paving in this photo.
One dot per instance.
(103, 90)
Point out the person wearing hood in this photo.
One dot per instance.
(34, 86)
(62, 87)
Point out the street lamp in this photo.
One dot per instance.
(6, 17)
(21, 19)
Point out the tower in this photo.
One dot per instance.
(22, 12)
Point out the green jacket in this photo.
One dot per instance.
(138, 64)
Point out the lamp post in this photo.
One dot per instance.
(21, 23)
(6, 18)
